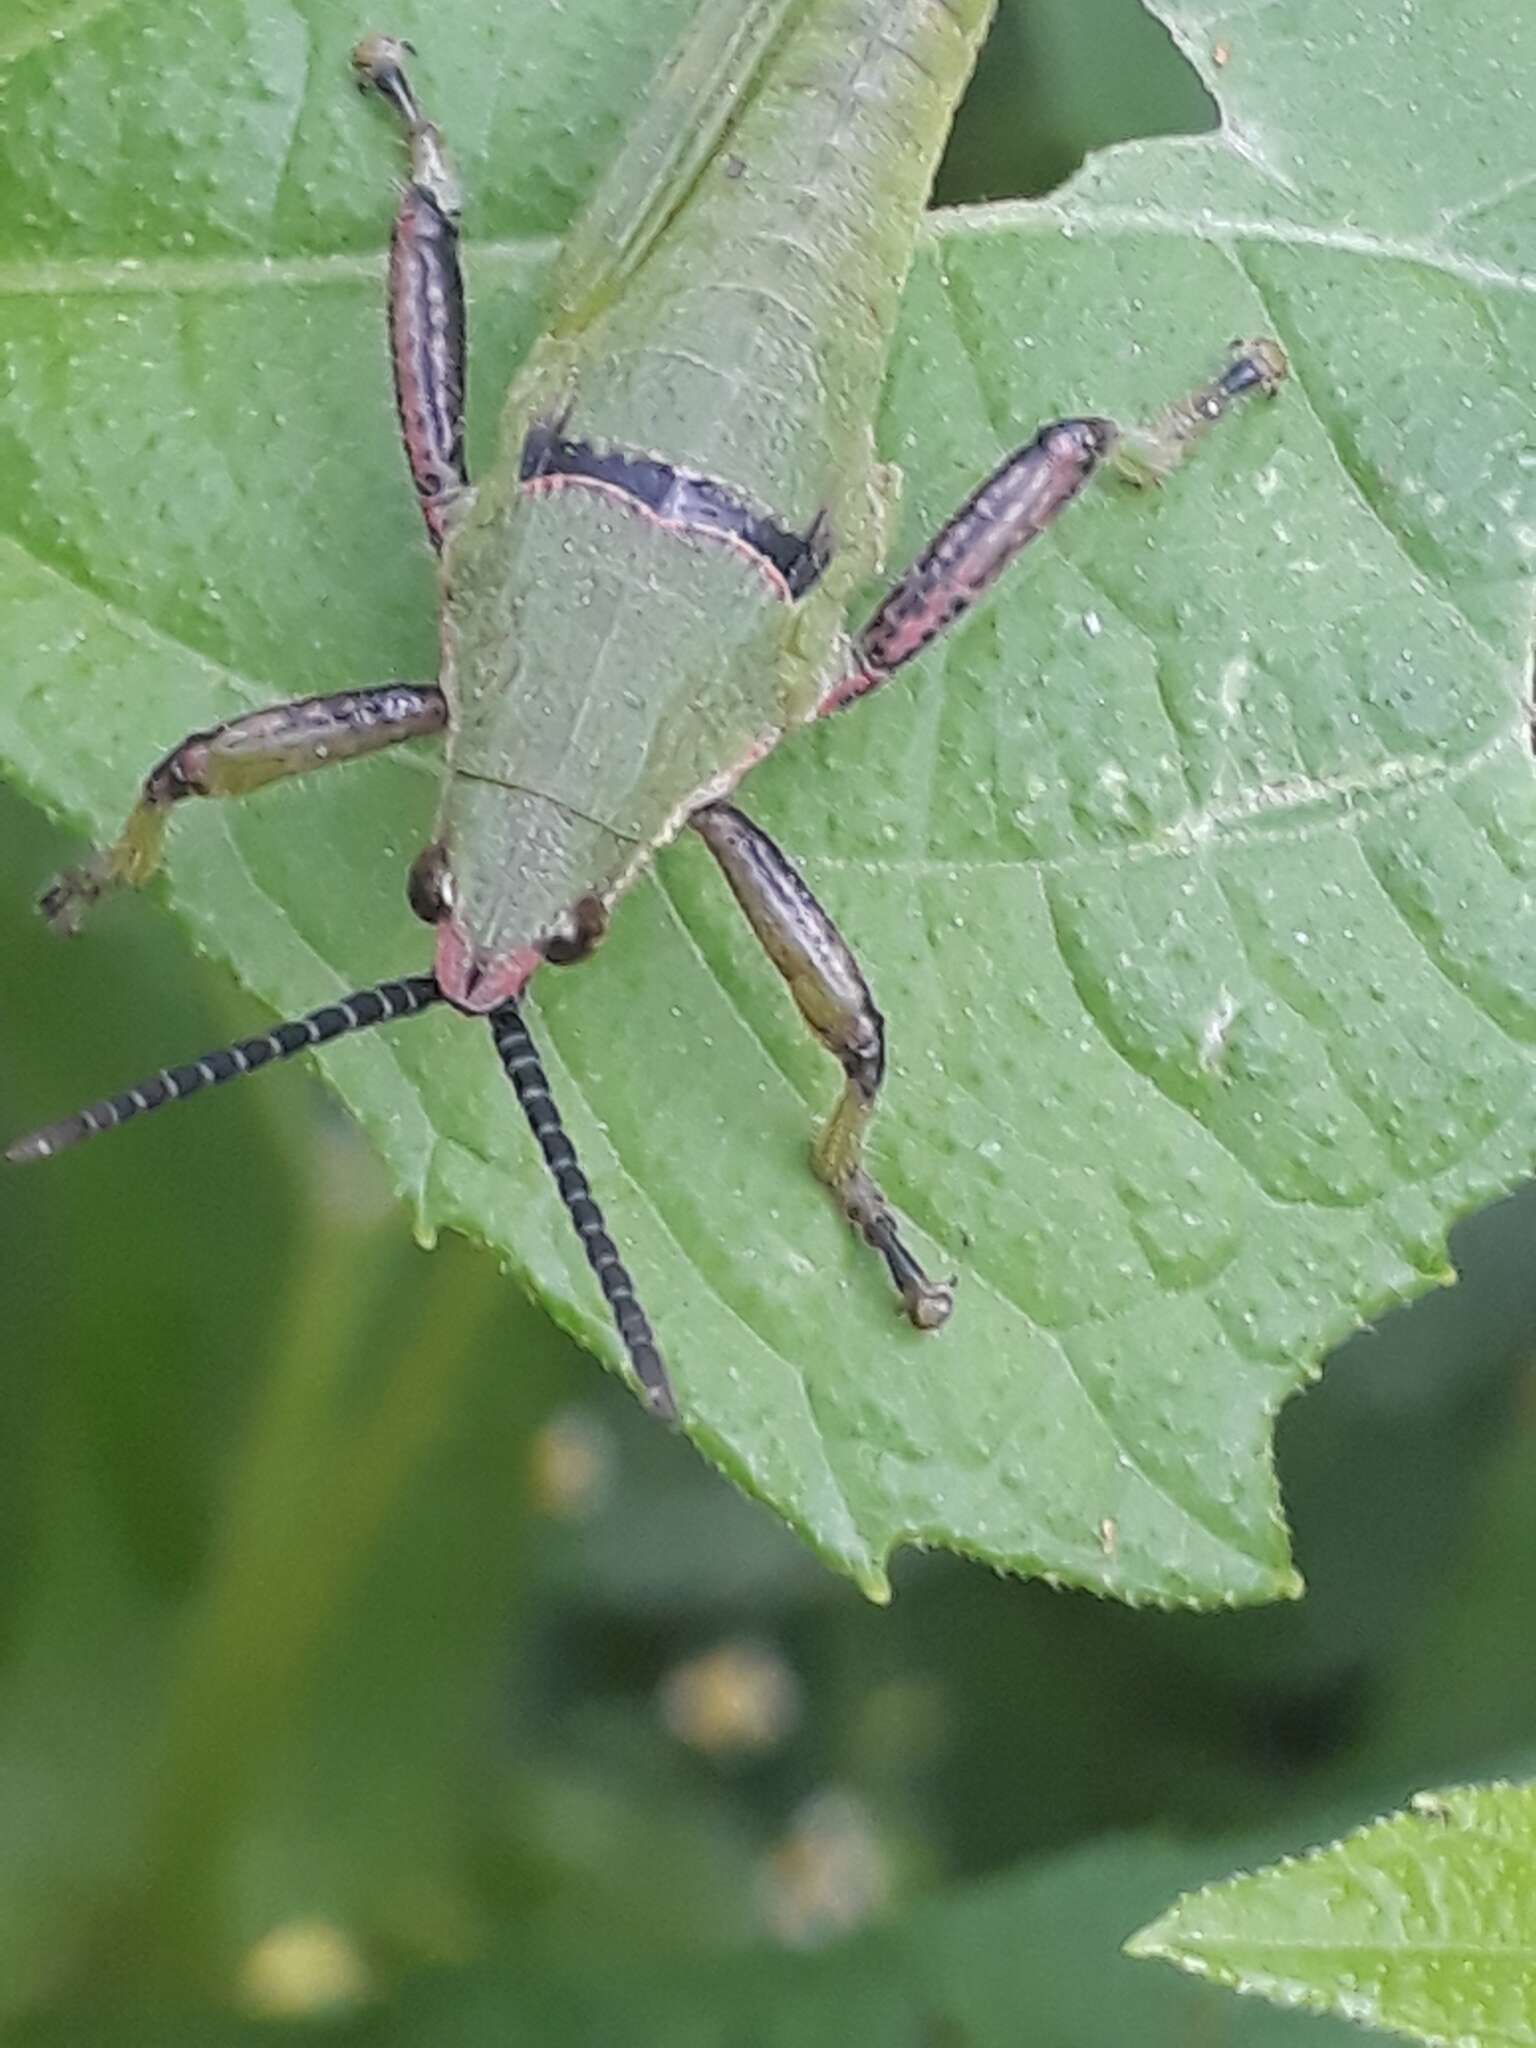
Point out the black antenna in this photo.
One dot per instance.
(369, 1006)
(520, 1058)
(359, 1012)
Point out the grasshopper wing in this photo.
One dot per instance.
(701, 93)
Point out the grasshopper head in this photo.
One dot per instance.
(478, 978)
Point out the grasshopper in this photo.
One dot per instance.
(729, 294)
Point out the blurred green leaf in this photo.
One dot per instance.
(1026, 1957)
(234, 1604)
(124, 1385)
(1424, 1924)
(1211, 984)
(1460, 1690)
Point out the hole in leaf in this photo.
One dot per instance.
(1057, 79)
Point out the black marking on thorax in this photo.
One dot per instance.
(682, 502)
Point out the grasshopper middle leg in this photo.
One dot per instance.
(234, 758)
(834, 998)
(1021, 498)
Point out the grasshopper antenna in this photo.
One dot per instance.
(520, 1057)
(384, 1004)
(358, 1012)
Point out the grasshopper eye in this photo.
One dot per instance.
(578, 933)
(429, 889)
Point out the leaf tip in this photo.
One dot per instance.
(1152, 1943)
(874, 1584)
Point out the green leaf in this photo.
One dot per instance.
(1425, 1924)
(1192, 876)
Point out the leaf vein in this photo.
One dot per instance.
(1085, 215)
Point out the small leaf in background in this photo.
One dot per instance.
(1424, 1924)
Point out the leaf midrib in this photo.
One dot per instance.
(133, 275)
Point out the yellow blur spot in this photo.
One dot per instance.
(570, 1467)
(828, 1874)
(304, 1968)
(739, 1699)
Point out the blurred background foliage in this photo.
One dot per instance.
(367, 1662)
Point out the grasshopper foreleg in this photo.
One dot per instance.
(426, 296)
(241, 755)
(1021, 498)
(834, 999)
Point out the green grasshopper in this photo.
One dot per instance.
(647, 592)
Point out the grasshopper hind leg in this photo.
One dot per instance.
(426, 321)
(426, 296)
(834, 999)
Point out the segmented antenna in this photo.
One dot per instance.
(357, 1012)
(524, 1070)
